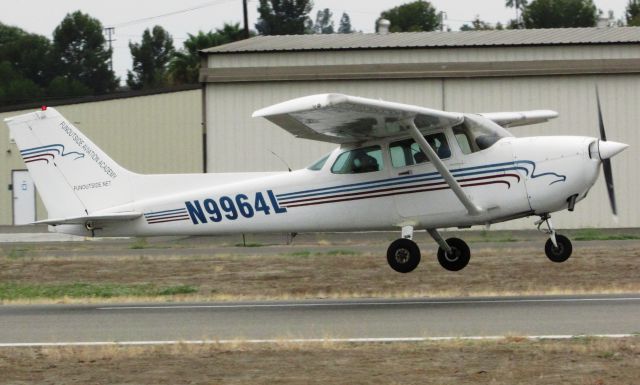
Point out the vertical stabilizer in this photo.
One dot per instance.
(73, 176)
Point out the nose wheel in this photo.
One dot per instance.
(559, 252)
(558, 247)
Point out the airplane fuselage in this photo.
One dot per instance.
(515, 177)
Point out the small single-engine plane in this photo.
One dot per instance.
(397, 167)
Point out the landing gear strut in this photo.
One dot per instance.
(558, 247)
(403, 255)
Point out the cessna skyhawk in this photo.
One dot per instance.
(397, 167)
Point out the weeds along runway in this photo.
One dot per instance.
(393, 319)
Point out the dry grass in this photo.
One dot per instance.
(507, 270)
(509, 361)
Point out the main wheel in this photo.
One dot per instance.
(459, 256)
(403, 255)
(560, 253)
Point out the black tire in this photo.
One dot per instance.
(403, 255)
(560, 253)
(460, 255)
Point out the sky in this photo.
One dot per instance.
(131, 18)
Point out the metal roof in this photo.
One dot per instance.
(458, 39)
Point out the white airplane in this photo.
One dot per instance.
(398, 167)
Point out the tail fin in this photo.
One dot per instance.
(73, 176)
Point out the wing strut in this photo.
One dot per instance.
(471, 207)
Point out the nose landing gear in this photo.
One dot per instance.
(558, 247)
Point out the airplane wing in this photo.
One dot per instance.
(341, 118)
(521, 118)
(338, 118)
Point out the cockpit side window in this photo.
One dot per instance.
(360, 160)
(407, 152)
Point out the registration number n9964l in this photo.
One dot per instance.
(233, 207)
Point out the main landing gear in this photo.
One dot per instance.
(403, 254)
(558, 247)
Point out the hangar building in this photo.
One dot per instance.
(479, 71)
(146, 132)
(476, 71)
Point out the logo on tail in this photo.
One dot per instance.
(46, 153)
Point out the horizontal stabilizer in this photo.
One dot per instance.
(113, 217)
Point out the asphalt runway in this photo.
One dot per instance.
(352, 319)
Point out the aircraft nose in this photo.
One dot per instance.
(607, 149)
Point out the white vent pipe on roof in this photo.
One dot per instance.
(383, 26)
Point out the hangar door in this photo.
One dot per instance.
(24, 197)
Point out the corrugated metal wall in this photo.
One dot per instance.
(434, 55)
(159, 133)
(237, 142)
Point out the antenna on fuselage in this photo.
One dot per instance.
(282, 160)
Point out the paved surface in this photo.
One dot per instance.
(323, 319)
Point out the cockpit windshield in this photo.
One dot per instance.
(478, 133)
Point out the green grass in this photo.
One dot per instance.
(331, 253)
(14, 291)
(249, 245)
(140, 243)
(597, 235)
(302, 253)
(17, 252)
(341, 252)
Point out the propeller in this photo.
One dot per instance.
(607, 149)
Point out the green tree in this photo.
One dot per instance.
(560, 14)
(150, 59)
(477, 25)
(412, 17)
(632, 13)
(519, 6)
(29, 54)
(80, 52)
(63, 87)
(324, 24)
(345, 24)
(283, 17)
(15, 88)
(184, 66)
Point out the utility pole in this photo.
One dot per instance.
(110, 31)
(442, 16)
(246, 19)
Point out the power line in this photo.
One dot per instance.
(144, 19)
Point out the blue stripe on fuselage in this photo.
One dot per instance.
(462, 172)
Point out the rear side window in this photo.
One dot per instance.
(360, 160)
(319, 164)
(407, 152)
